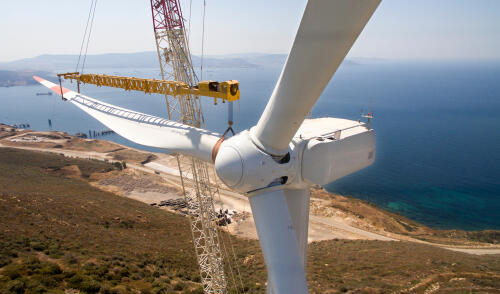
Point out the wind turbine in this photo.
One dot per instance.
(275, 162)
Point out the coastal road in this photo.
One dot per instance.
(476, 251)
(323, 225)
(313, 219)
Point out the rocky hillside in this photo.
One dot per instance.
(59, 234)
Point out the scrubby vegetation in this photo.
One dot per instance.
(488, 236)
(99, 241)
(386, 221)
(59, 233)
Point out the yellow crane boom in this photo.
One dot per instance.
(227, 91)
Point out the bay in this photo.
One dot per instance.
(437, 128)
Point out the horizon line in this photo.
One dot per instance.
(242, 54)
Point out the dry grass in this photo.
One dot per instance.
(59, 233)
(382, 267)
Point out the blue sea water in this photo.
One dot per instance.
(437, 130)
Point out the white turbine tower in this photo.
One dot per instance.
(275, 162)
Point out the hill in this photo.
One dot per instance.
(19, 72)
(148, 59)
(60, 233)
(47, 65)
(10, 78)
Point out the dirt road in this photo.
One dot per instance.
(320, 228)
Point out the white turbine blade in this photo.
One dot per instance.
(142, 128)
(298, 206)
(278, 241)
(326, 33)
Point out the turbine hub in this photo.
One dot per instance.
(229, 166)
(243, 167)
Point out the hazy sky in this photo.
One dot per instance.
(398, 29)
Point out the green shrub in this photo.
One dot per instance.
(16, 286)
(157, 283)
(179, 286)
(54, 291)
(13, 271)
(124, 272)
(75, 281)
(38, 246)
(49, 281)
(118, 165)
(137, 276)
(50, 268)
(90, 286)
(84, 283)
(105, 289)
(39, 289)
(5, 260)
(488, 236)
(32, 262)
(198, 290)
(91, 269)
(54, 250)
(197, 278)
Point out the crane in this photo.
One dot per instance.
(181, 88)
(226, 91)
(176, 64)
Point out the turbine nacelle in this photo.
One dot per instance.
(336, 148)
(322, 150)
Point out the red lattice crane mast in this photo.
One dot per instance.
(176, 64)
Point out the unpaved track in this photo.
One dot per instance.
(320, 228)
(341, 226)
(476, 251)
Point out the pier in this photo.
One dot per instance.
(21, 126)
(92, 134)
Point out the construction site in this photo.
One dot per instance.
(153, 179)
(262, 184)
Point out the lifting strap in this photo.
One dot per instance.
(61, 88)
(215, 150)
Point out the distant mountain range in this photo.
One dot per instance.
(15, 72)
(11, 78)
(48, 62)
(148, 59)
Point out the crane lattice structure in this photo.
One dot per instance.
(176, 64)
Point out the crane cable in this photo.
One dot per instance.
(90, 19)
(203, 38)
(93, 5)
(92, 8)
(189, 20)
(84, 35)
(88, 38)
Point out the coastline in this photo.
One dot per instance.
(153, 177)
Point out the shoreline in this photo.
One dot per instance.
(332, 216)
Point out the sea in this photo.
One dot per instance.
(437, 126)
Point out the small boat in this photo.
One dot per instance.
(41, 94)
